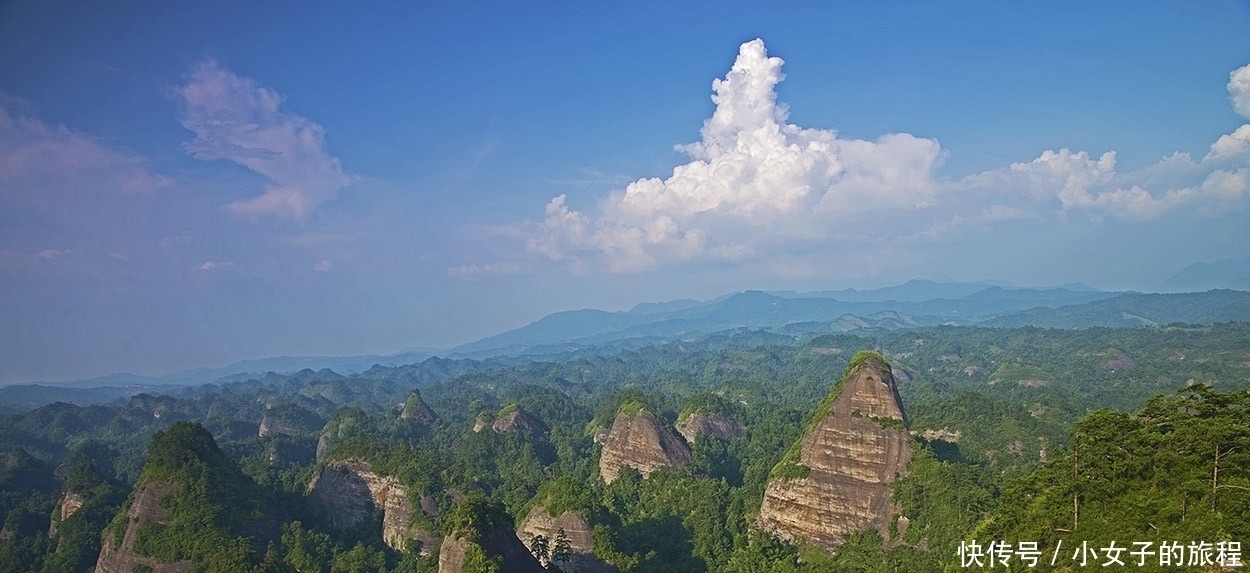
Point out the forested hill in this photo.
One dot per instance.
(997, 418)
(911, 305)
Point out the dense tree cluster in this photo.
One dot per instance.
(1020, 434)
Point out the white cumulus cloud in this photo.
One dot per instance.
(1079, 183)
(236, 119)
(1239, 90)
(753, 180)
(757, 188)
(1235, 143)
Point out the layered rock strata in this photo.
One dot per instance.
(350, 492)
(852, 453)
(517, 420)
(711, 424)
(270, 426)
(71, 502)
(642, 442)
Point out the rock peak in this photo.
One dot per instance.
(514, 419)
(416, 409)
(837, 478)
(640, 440)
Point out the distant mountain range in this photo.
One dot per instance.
(1228, 273)
(916, 303)
(913, 304)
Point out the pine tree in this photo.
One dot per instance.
(562, 549)
(541, 549)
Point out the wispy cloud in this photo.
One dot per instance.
(485, 271)
(211, 265)
(47, 166)
(590, 177)
(25, 258)
(237, 119)
(757, 187)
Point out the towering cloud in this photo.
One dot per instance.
(753, 180)
(236, 119)
(756, 186)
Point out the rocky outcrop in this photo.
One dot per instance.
(197, 493)
(838, 478)
(269, 426)
(642, 442)
(350, 493)
(415, 409)
(711, 424)
(499, 545)
(518, 420)
(344, 423)
(576, 529)
(118, 556)
(323, 447)
(71, 501)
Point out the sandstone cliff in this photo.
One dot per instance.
(499, 545)
(513, 419)
(640, 441)
(836, 479)
(270, 425)
(576, 529)
(118, 555)
(350, 492)
(71, 501)
(211, 512)
(711, 423)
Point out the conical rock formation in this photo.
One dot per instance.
(513, 419)
(417, 410)
(837, 479)
(640, 441)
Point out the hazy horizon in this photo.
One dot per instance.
(189, 186)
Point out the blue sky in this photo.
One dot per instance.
(186, 186)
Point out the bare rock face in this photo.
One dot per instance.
(518, 420)
(332, 433)
(270, 426)
(145, 507)
(711, 424)
(576, 529)
(499, 544)
(350, 492)
(641, 442)
(70, 503)
(858, 446)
